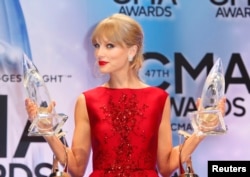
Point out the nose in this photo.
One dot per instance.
(100, 51)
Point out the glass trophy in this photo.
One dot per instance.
(208, 120)
(46, 122)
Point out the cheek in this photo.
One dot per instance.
(120, 56)
(95, 54)
(119, 61)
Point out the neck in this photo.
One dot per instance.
(124, 81)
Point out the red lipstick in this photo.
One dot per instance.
(102, 63)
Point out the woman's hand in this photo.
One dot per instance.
(208, 118)
(33, 110)
(221, 105)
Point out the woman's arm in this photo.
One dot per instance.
(168, 156)
(81, 143)
(78, 154)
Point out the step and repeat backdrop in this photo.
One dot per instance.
(182, 41)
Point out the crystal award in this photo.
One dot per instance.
(46, 122)
(208, 120)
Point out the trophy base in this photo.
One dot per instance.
(208, 122)
(47, 124)
(211, 132)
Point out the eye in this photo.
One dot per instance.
(96, 45)
(110, 46)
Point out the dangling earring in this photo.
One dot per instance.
(130, 58)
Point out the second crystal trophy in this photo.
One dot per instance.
(208, 120)
(46, 122)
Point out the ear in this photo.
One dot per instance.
(132, 51)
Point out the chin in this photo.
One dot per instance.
(104, 71)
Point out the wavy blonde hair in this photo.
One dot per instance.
(122, 30)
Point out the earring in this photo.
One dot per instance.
(130, 58)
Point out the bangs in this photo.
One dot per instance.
(108, 31)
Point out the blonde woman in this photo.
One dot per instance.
(125, 122)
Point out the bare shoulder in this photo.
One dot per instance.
(81, 98)
(80, 104)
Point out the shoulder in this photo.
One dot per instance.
(94, 94)
(92, 90)
(156, 94)
(159, 91)
(80, 104)
(88, 98)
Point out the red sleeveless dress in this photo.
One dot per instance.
(124, 130)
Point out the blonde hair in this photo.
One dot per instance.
(122, 30)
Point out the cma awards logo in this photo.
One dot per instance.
(160, 71)
(155, 71)
(232, 8)
(149, 8)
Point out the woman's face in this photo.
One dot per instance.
(111, 58)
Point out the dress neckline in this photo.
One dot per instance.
(125, 88)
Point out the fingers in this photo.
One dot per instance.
(222, 105)
(31, 109)
(51, 106)
(198, 103)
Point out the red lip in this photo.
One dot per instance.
(102, 63)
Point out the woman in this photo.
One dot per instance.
(124, 121)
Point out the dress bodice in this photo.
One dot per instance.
(124, 130)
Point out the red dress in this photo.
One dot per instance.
(124, 130)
